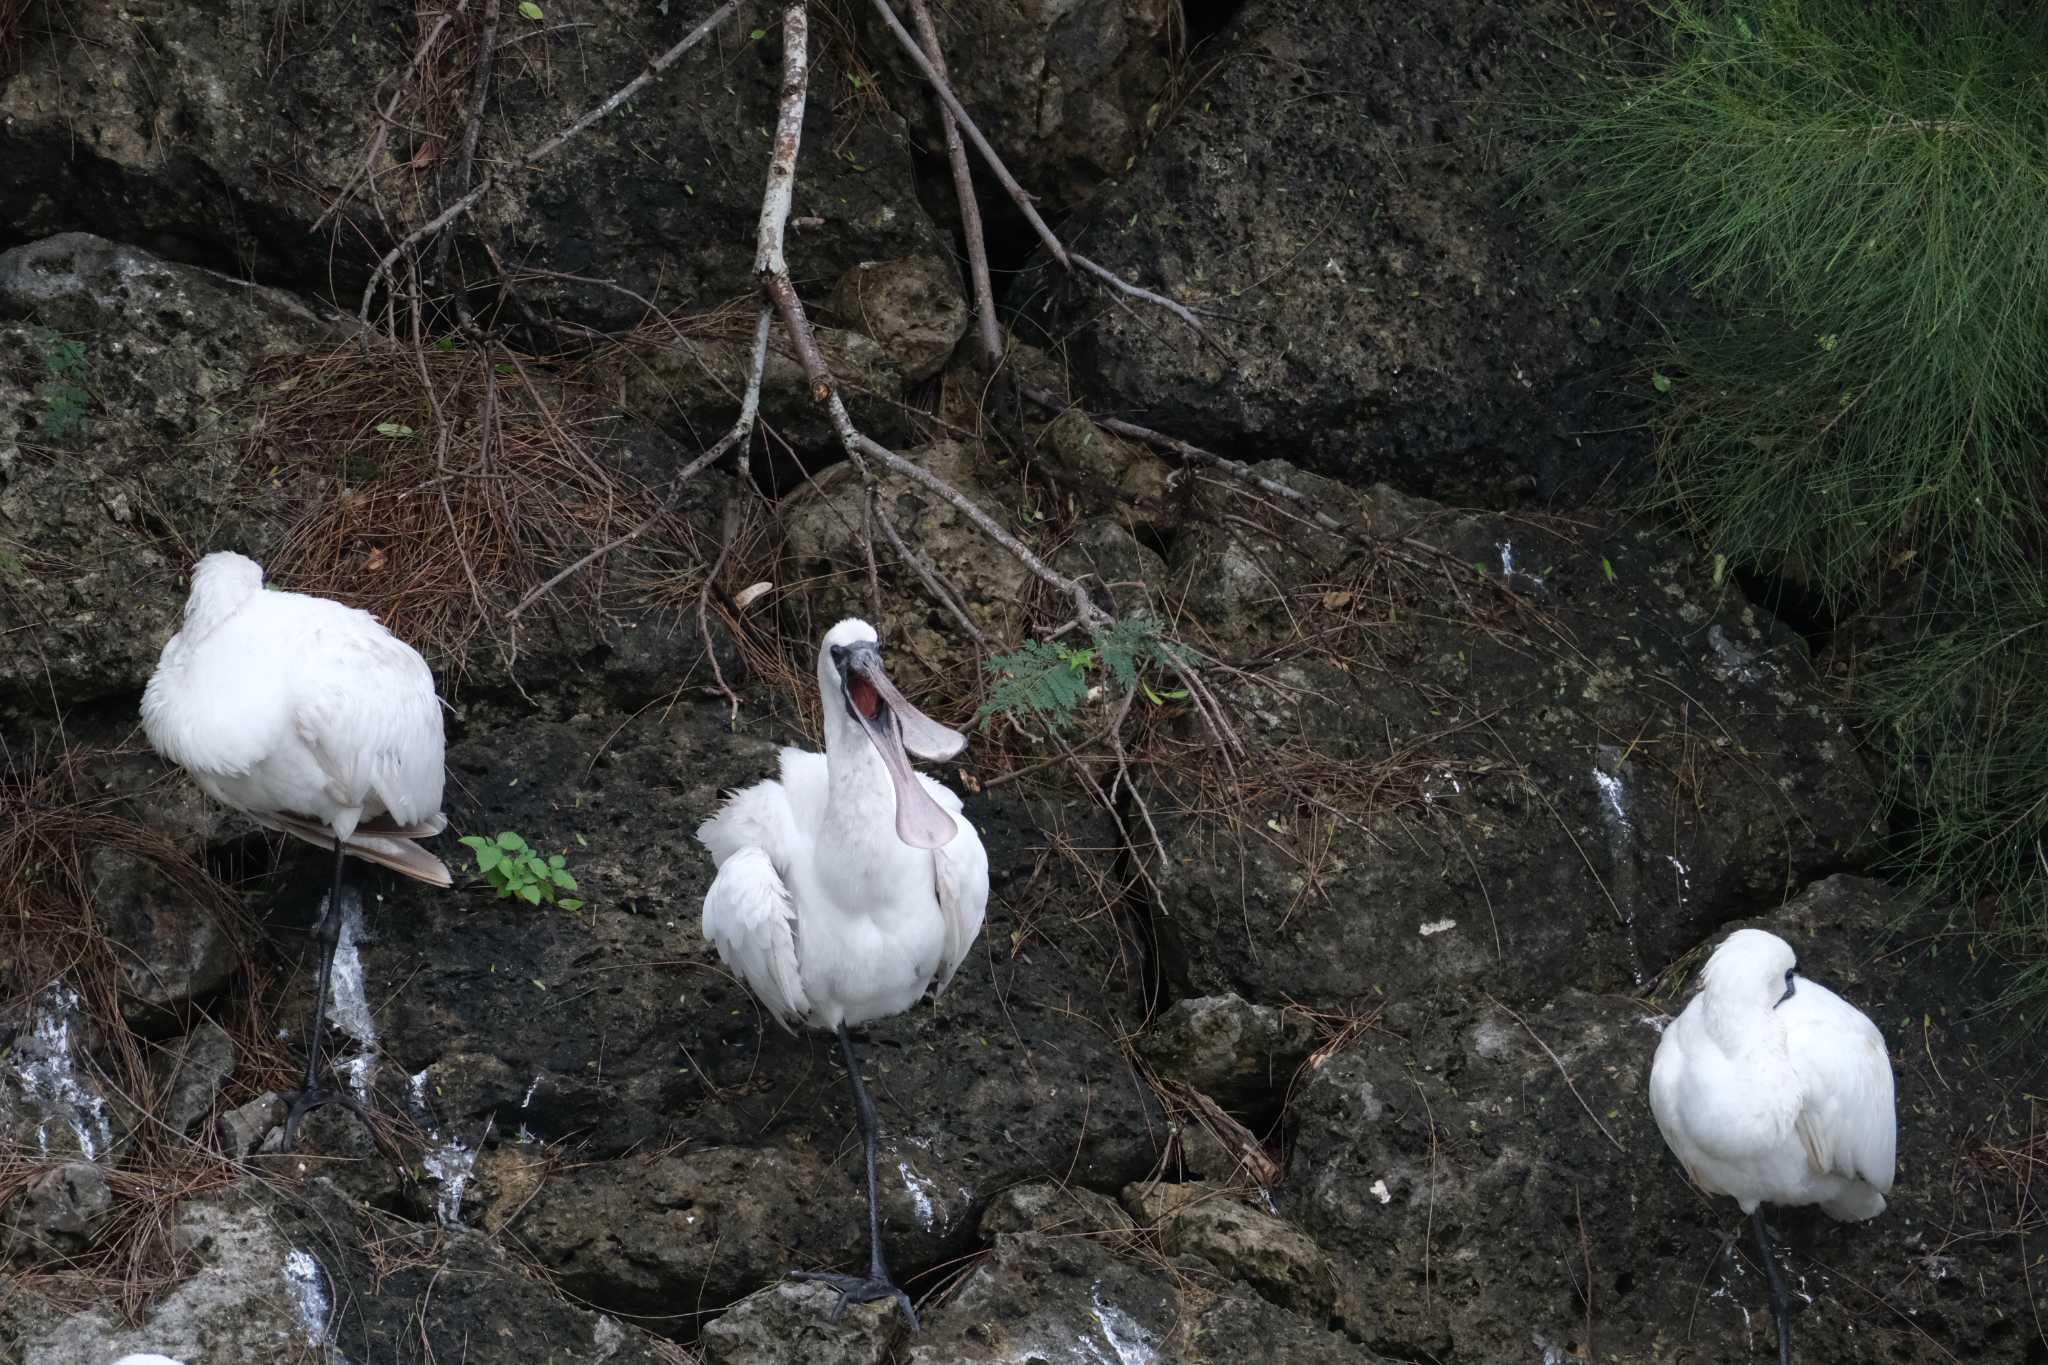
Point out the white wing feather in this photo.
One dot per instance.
(749, 919)
(367, 710)
(1848, 1123)
(961, 869)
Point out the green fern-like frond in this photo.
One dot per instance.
(1038, 678)
(1051, 681)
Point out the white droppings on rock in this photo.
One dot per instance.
(920, 1194)
(309, 1295)
(1437, 926)
(1380, 1191)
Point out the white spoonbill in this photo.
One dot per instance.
(313, 719)
(1771, 1088)
(852, 885)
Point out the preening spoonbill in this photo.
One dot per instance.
(313, 719)
(1770, 1088)
(850, 886)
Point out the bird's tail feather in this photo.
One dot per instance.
(389, 846)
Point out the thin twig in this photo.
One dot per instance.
(737, 435)
(944, 90)
(486, 50)
(545, 149)
(368, 170)
(933, 581)
(1559, 1062)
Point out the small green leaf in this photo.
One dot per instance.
(529, 10)
(393, 429)
(488, 856)
(557, 861)
(471, 841)
(1607, 569)
(508, 840)
(571, 905)
(757, 35)
(564, 880)
(530, 894)
(1660, 382)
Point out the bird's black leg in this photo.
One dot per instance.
(1781, 1306)
(312, 1095)
(876, 1284)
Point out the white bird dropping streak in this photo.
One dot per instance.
(1624, 878)
(309, 1295)
(1130, 1341)
(920, 1194)
(449, 1160)
(43, 1063)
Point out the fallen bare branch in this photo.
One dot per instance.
(368, 170)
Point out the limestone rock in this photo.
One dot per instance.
(912, 308)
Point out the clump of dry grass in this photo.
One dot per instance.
(447, 482)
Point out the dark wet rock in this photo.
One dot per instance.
(1235, 1052)
(1231, 1329)
(270, 1272)
(789, 1324)
(1050, 1298)
(1332, 189)
(822, 542)
(241, 1296)
(692, 388)
(1042, 1206)
(912, 308)
(242, 1129)
(173, 952)
(188, 1074)
(174, 129)
(1460, 1153)
(1067, 89)
(1102, 551)
(160, 356)
(1596, 759)
(58, 1214)
(1255, 1248)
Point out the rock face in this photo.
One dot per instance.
(1456, 1174)
(1576, 778)
(1334, 190)
(1361, 1042)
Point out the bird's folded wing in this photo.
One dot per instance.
(368, 711)
(1847, 1124)
(749, 918)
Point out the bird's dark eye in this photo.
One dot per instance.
(838, 654)
(1791, 972)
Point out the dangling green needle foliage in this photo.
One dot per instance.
(1853, 194)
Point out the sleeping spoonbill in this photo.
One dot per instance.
(850, 886)
(1772, 1088)
(313, 719)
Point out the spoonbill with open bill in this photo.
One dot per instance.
(313, 719)
(1773, 1089)
(850, 886)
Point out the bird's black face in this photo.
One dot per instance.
(897, 729)
(1791, 984)
(860, 665)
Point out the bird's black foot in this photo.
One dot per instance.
(858, 1289)
(304, 1102)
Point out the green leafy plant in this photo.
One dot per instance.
(64, 400)
(1050, 681)
(517, 870)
